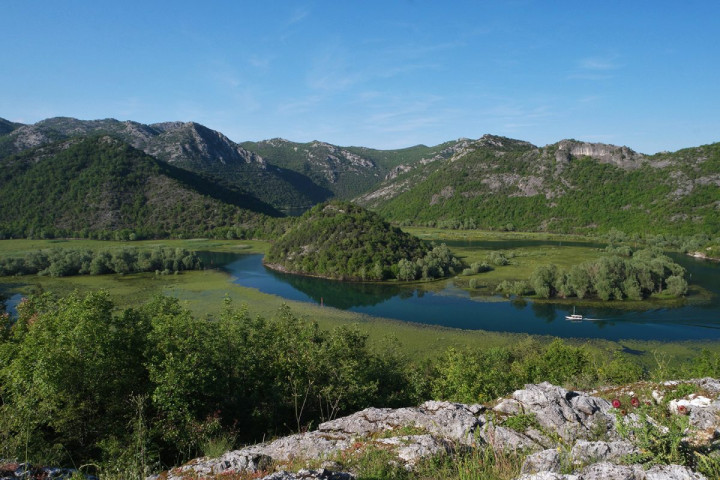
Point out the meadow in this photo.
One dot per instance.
(203, 292)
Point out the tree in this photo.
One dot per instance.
(543, 280)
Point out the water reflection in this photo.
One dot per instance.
(337, 294)
(453, 307)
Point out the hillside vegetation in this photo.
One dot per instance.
(343, 241)
(503, 184)
(102, 187)
(492, 183)
(187, 145)
(130, 391)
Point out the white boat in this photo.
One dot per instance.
(574, 316)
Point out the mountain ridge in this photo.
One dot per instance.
(492, 182)
(100, 184)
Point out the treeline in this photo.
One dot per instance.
(343, 241)
(613, 277)
(81, 382)
(262, 228)
(58, 262)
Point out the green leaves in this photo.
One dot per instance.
(343, 241)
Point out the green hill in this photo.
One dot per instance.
(99, 185)
(499, 183)
(6, 126)
(346, 242)
(187, 145)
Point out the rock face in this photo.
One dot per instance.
(563, 435)
(622, 157)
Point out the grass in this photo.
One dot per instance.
(16, 248)
(203, 292)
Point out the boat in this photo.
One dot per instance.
(574, 316)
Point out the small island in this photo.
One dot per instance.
(342, 241)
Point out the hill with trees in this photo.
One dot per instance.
(343, 241)
(492, 183)
(101, 187)
(187, 145)
(503, 184)
(6, 126)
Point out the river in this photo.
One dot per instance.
(450, 306)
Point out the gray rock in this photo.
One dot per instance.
(454, 421)
(610, 471)
(545, 461)
(572, 415)
(310, 474)
(577, 418)
(547, 476)
(503, 438)
(235, 461)
(412, 448)
(672, 472)
(584, 452)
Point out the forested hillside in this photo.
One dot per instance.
(102, 187)
(7, 126)
(183, 144)
(346, 171)
(343, 241)
(492, 183)
(499, 183)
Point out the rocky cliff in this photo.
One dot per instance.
(639, 432)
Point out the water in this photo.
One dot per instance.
(12, 303)
(453, 307)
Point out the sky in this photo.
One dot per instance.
(381, 74)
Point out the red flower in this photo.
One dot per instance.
(616, 403)
(635, 402)
(682, 409)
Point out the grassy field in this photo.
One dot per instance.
(204, 291)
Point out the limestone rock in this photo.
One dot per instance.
(309, 475)
(572, 415)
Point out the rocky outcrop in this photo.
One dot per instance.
(562, 434)
(26, 471)
(622, 157)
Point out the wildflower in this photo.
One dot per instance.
(635, 402)
(682, 409)
(623, 412)
(616, 403)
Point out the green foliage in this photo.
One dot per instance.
(481, 376)
(69, 369)
(58, 262)
(659, 443)
(613, 278)
(82, 382)
(344, 241)
(102, 188)
(521, 422)
(486, 188)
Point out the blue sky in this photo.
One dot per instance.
(382, 74)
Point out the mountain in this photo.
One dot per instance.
(492, 182)
(101, 184)
(345, 171)
(570, 186)
(186, 145)
(6, 126)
